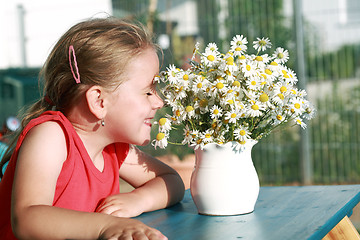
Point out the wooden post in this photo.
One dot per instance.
(344, 230)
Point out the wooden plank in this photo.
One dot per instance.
(342, 231)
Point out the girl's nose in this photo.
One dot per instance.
(158, 102)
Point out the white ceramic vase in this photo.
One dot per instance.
(224, 180)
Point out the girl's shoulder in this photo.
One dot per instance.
(45, 133)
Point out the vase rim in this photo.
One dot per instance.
(231, 144)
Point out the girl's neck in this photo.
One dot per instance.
(91, 134)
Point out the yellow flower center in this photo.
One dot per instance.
(242, 132)
(283, 89)
(177, 113)
(280, 55)
(233, 115)
(189, 109)
(279, 117)
(230, 101)
(268, 72)
(253, 83)
(264, 97)
(259, 58)
(255, 107)
(160, 136)
(208, 135)
(210, 58)
(186, 77)
(238, 49)
(242, 57)
(219, 85)
(199, 85)
(230, 59)
(248, 67)
(216, 111)
(274, 64)
(262, 42)
(281, 96)
(162, 121)
(297, 105)
(236, 84)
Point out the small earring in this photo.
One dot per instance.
(102, 122)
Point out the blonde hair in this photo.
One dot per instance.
(103, 47)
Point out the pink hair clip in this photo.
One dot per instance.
(77, 78)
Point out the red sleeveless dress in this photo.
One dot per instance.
(80, 185)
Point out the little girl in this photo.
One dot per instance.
(62, 181)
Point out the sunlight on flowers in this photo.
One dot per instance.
(232, 96)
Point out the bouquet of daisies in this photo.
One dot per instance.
(233, 96)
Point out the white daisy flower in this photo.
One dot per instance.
(190, 111)
(241, 134)
(300, 122)
(310, 111)
(261, 60)
(296, 106)
(279, 99)
(238, 40)
(228, 65)
(264, 98)
(255, 109)
(207, 136)
(198, 143)
(164, 124)
(253, 83)
(278, 117)
(171, 73)
(280, 55)
(160, 140)
(199, 84)
(238, 45)
(179, 112)
(249, 69)
(232, 116)
(212, 48)
(210, 59)
(216, 112)
(262, 44)
(219, 87)
(187, 135)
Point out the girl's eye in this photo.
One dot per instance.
(149, 93)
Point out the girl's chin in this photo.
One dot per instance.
(141, 142)
(146, 142)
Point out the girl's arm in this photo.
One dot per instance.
(33, 217)
(156, 186)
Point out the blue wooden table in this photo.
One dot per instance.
(305, 212)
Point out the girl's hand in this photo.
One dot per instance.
(133, 230)
(122, 205)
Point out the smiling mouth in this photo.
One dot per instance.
(148, 122)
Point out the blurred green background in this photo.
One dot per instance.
(323, 38)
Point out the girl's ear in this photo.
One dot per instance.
(95, 100)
